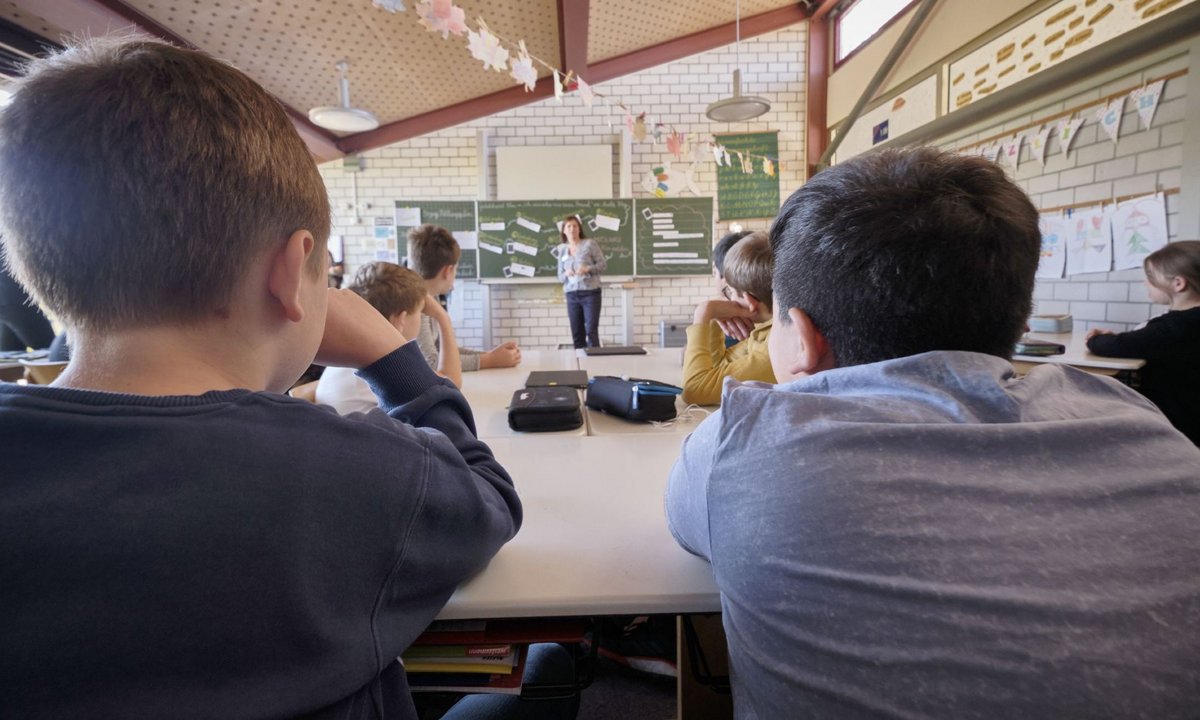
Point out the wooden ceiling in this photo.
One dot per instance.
(414, 81)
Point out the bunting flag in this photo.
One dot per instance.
(1110, 117)
(1067, 130)
(1037, 146)
(639, 127)
(1146, 99)
(768, 167)
(1012, 150)
(675, 145)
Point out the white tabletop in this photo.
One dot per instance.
(1077, 354)
(490, 391)
(595, 537)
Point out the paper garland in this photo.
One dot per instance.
(1012, 150)
(442, 16)
(1037, 146)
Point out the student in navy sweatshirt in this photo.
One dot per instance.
(179, 538)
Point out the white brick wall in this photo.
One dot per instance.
(1141, 161)
(444, 166)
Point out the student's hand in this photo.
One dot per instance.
(1097, 331)
(738, 328)
(504, 355)
(719, 310)
(434, 310)
(356, 334)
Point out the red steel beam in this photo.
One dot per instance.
(573, 35)
(816, 95)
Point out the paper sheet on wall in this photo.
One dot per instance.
(1139, 227)
(1054, 255)
(454, 307)
(467, 239)
(1089, 243)
(408, 217)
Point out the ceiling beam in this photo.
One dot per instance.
(446, 117)
(816, 95)
(573, 35)
(597, 72)
(97, 18)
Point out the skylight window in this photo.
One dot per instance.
(862, 21)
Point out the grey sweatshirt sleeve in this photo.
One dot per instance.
(687, 488)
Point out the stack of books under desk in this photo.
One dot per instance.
(482, 656)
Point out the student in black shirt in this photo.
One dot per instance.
(1169, 343)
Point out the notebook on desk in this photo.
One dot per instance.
(557, 378)
(616, 350)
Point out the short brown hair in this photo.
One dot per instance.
(563, 223)
(431, 248)
(138, 181)
(389, 288)
(748, 266)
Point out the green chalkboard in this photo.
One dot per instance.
(457, 216)
(742, 195)
(516, 236)
(674, 236)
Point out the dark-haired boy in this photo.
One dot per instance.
(747, 291)
(176, 536)
(906, 529)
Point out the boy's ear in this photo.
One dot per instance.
(289, 269)
(811, 353)
(447, 272)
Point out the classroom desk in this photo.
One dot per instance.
(490, 391)
(595, 538)
(1076, 355)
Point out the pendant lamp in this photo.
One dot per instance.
(738, 107)
(343, 118)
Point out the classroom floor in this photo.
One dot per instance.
(619, 693)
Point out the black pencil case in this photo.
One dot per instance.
(545, 409)
(632, 398)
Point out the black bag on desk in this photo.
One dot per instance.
(545, 409)
(632, 398)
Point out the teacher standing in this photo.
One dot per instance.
(580, 262)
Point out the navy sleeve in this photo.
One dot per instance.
(1157, 341)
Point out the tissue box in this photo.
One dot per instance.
(1051, 323)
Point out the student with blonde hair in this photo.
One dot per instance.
(1169, 343)
(399, 295)
(747, 300)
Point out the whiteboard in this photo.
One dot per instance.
(554, 172)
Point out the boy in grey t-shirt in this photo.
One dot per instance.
(903, 527)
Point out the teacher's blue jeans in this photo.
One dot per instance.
(583, 310)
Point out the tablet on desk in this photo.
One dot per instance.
(615, 350)
(557, 378)
(1029, 346)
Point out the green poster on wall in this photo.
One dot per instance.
(745, 195)
(674, 236)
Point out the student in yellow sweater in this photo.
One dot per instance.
(707, 362)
